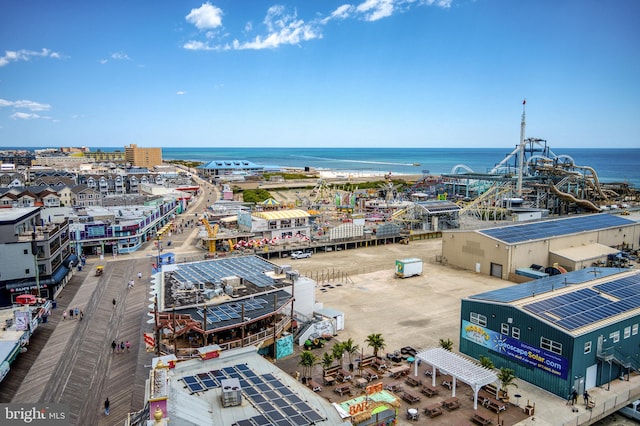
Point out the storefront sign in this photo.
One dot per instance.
(514, 348)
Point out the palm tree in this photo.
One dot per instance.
(337, 351)
(507, 378)
(446, 344)
(486, 362)
(307, 361)
(327, 360)
(376, 342)
(350, 348)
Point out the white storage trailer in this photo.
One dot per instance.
(406, 268)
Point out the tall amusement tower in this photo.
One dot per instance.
(523, 124)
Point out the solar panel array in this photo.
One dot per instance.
(555, 228)
(201, 382)
(544, 285)
(277, 403)
(225, 314)
(250, 268)
(233, 310)
(588, 305)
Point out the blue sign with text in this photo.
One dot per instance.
(514, 348)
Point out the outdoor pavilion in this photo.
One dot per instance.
(459, 368)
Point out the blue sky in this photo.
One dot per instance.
(383, 73)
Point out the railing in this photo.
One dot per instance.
(604, 407)
(255, 339)
(620, 357)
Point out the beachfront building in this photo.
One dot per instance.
(39, 252)
(142, 157)
(42, 196)
(237, 387)
(97, 230)
(572, 243)
(276, 224)
(228, 169)
(576, 331)
(230, 302)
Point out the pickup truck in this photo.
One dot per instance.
(300, 254)
(632, 410)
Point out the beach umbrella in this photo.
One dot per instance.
(270, 202)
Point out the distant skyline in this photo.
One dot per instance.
(374, 73)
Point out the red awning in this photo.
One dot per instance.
(26, 299)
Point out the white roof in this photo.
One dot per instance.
(461, 368)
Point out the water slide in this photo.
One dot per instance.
(566, 196)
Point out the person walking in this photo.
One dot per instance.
(122, 349)
(586, 397)
(114, 302)
(76, 312)
(81, 314)
(71, 313)
(139, 275)
(64, 315)
(113, 346)
(574, 397)
(127, 345)
(107, 406)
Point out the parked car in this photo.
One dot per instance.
(300, 254)
(632, 410)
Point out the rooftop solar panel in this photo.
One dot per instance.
(586, 306)
(554, 228)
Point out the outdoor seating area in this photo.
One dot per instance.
(369, 375)
(343, 376)
(447, 381)
(379, 364)
(413, 414)
(395, 387)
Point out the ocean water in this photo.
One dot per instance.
(611, 165)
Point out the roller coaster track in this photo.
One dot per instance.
(566, 196)
(492, 194)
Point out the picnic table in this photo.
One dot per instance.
(361, 382)
(410, 397)
(480, 419)
(329, 380)
(494, 404)
(344, 375)
(413, 381)
(315, 386)
(451, 403)
(342, 389)
(429, 390)
(447, 381)
(400, 371)
(394, 387)
(433, 410)
(370, 375)
(379, 364)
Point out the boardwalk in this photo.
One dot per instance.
(77, 365)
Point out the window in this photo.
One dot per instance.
(478, 319)
(26, 251)
(504, 328)
(27, 271)
(550, 345)
(515, 332)
(615, 336)
(627, 332)
(587, 347)
(634, 329)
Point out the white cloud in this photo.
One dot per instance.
(180, 92)
(120, 56)
(30, 105)
(26, 55)
(283, 28)
(342, 12)
(24, 116)
(205, 17)
(374, 10)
